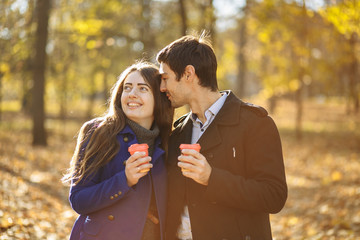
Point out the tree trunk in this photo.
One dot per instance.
(182, 12)
(1, 75)
(63, 98)
(299, 111)
(240, 90)
(273, 101)
(303, 62)
(212, 21)
(38, 107)
(106, 92)
(353, 79)
(147, 36)
(92, 95)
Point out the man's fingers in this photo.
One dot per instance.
(187, 166)
(191, 152)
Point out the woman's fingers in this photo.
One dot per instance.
(135, 156)
(136, 167)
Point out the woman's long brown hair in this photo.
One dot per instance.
(100, 133)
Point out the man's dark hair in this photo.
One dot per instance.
(195, 51)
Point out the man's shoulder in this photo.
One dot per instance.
(253, 108)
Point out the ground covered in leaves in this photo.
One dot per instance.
(322, 172)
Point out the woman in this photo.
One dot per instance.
(115, 197)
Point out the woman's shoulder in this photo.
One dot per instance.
(91, 125)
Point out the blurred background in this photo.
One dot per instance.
(298, 58)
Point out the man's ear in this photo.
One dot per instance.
(189, 72)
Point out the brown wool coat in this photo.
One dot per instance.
(247, 182)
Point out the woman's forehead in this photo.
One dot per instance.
(134, 77)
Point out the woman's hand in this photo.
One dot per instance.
(134, 166)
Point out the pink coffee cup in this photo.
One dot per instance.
(194, 146)
(140, 148)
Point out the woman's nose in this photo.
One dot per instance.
(133, 93)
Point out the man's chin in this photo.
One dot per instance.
(176, 105)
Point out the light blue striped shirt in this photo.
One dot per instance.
(198, 127)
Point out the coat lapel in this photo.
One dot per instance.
(228, 115)
(185, 130)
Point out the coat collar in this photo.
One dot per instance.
(222, 117)
(229, 114)
(157, 152)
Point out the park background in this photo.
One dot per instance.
(297, 58)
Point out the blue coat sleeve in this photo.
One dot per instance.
(91, 196)
(104, 188)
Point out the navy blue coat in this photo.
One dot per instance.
(108, 207)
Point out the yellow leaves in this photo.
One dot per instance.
(336, 176)
(5, 71)
(294, 85)
(88, 27)
(264, 37)
(4, 67)
(105, 63)
(345, 16)
(227, 62)
(293, 221)
(30, 189)
(6, 221)
(38, 177)
(311, 231)
(91, 44)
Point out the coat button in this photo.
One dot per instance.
(116, 195)
(111, 217)
(119, 192)
(126, 139)
(112, 197)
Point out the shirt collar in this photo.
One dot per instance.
(212, 110)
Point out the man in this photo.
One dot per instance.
(228, 190)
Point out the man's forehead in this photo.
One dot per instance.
(163, 68)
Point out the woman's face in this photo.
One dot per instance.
(137, 100)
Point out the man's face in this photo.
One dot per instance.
(175, 90)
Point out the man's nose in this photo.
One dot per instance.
(163, 86)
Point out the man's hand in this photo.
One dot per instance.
(195, 166)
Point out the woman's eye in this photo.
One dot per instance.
(127, 88)
(143, 89)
